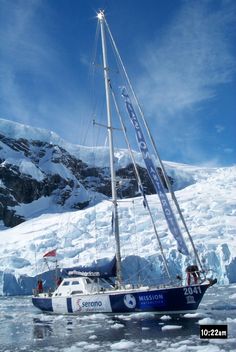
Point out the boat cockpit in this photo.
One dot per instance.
(83, 285)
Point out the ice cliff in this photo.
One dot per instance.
(206, 195)
(82, 237)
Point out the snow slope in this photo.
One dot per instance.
(41, 173)
(82, 237)
(98, 156)
(38, 175)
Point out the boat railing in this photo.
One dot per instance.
(36, 293)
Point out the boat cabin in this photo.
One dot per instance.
(83, 285)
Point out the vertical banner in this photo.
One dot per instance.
(155, 178)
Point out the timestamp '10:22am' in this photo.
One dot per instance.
(213, 331)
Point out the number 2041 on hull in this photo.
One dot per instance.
(87, 293)
(174, 300)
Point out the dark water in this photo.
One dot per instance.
(24, 328)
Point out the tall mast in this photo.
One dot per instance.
(156, 152)
(101, 18)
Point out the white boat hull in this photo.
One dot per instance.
(159, 300)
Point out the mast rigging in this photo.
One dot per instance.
(111, 147)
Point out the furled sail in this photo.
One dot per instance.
(155, 178)
(103, 268)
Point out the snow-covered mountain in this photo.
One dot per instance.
(206, 196)
(41, 173)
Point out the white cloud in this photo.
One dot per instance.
(228, 150)
(37, 87)
(186, 63)
(183, 68)
(24, 52)
(219, 128)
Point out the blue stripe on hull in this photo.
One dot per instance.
(176, 300)
(43, 303)
(69, 305)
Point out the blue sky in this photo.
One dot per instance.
(180, 56)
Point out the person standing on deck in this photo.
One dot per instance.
(192, 270)
(40, 286)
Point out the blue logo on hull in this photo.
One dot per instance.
(130, 301)
(151, 300)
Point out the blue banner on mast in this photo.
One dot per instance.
(155, 178)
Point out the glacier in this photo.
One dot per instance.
(207, 198)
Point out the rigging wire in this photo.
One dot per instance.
(35, 259)
(93, 97)
(94, 199)
(95, 106)
(155, 148)
(102, 161)
(139, 181)
(135, 228)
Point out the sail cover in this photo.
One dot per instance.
(155, 178)
(102, 268)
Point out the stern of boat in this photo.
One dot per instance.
(43, 302)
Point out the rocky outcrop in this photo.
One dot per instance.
(32, 170)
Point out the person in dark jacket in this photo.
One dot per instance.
(40, 286)
(59, 281)
(192, 271)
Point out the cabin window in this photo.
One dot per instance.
(66, 283)
(88, 281)
(106, 283)
(75, 283)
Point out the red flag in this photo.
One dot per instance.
(52, 253)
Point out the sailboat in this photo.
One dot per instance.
(89, 291)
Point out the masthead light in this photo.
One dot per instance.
(100, 15)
